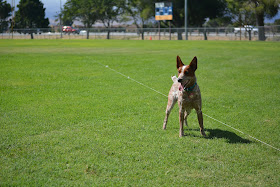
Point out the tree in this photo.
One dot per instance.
(250, 9)
(90, 11)
(277, 22)
(264, 8)
(240, 13)
(66, 17)
(219, 22)
(85, 11)
(140, 11)
(109, 11)
(5, 12)
(198, 11)
(31, 14)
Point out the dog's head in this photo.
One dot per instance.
(186, 74)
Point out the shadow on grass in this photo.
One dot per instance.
(230, 137)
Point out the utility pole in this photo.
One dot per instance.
(60, 21)
(13, 15)
(186, 19)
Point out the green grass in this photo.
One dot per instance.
(66, 120)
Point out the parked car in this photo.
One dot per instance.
(246, 28)
(69, 29)
(83, 32)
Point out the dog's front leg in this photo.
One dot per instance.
(171, 102)
(187, 113)
(181, 120)
(200, 121)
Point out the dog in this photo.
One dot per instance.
(186, 91)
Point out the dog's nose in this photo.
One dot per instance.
(180, 80)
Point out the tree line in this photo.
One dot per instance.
(31, 13)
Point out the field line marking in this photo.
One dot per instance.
(203, 113)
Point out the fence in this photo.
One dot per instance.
(272, 33)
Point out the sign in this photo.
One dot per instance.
(164, 11)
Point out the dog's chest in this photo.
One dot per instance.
(189, 99)
(189, 96)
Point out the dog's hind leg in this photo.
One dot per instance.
(200, 121)
(171, 102)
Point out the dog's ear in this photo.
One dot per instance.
(193, 63)
(179, 62)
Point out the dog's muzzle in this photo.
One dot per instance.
(182, 86)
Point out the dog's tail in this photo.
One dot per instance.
(174, 79)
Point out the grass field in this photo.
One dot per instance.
(67, 120)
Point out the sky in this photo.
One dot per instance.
(53, 8)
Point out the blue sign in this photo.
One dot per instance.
(164, 11)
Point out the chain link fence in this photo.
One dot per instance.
(271, 33)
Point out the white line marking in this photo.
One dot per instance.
(242, 132)
(133, 79)
(203, 113)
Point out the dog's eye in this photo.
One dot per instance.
(186, 72)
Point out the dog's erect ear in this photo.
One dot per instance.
(193, 63)
(179, 62)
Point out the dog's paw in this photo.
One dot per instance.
(181, 134)
(202, 133)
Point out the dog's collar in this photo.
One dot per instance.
(189, 89)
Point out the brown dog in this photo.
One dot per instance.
(186, 91)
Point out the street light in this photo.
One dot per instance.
(186, 19)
